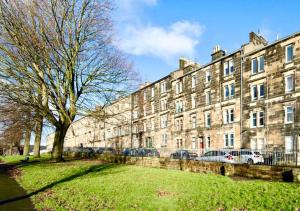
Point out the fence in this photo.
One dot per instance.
(238, 156)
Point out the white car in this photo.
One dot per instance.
(216, 156)
(247, 156)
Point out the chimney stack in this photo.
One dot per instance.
(217, 53)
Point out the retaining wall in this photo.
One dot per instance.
(273, 173)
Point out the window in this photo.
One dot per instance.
(164, 139)
(289, 144)
(207, 142)
(179, 106)
(261, 66)
(228, 140)
(229, 91)
(193, 121)
(164, 121)
(253, 119)
(289, 114)
(289, 83)
(145, 94)
(207, 76)
(261, 91)
(257, 92)
(152, 92)
(228, 68)
(179, 143)
(231, 67)
(193, 99)
(163, 87)
(193, 81)
(289, 53)
(194, 143)
(178, 87)
(152, 108)
(163, 104)
(144, 126)
(254, 66)
(261, 121)
(228, 116)
(207, 120)
(207, 98)
(179, 124)
(257, 119)
(152, 124)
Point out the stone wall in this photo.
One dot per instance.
(273, 173)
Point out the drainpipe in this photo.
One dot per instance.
(241, 99)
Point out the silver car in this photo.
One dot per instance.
(247, 156)
(216, 156)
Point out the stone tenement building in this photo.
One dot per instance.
(245, 99)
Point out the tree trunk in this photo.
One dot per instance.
(58, 144)
(10, 151)
(27, 140)
(38, 137)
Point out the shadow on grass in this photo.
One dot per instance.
(91, 169)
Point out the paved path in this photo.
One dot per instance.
(9, 193)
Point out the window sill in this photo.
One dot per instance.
(255, 74)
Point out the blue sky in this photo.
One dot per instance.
(155, 33)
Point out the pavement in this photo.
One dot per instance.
(12, 195)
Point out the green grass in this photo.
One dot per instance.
(90, 185)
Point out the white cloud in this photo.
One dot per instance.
(179, 39)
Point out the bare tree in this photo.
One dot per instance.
(59, 59)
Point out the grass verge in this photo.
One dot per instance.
(92, 185)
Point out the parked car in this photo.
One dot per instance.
(129, 152)
(103, 150)
(147, 152)
(247, 156)
(216, 156)
(183, 154)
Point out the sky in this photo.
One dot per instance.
(156, 33)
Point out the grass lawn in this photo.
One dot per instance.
(90, 185)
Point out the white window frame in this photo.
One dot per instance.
(231, 66)
(228, 136)
(163, 121)
(152, 107)
(193, 121)
(207, 97)
(194, 143)
(258, 92)
(207, 114)
(286, 121)
(207, 142)
(194, 81)
(145, 94)
(193, 101)
(288, 144)
(207, 76)
(178, 87)
(163, 104)
(287, 89)
(286, 53)
(163, 87)
(152, 92)
(258, 117)
(226, 66)
(258, 64)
